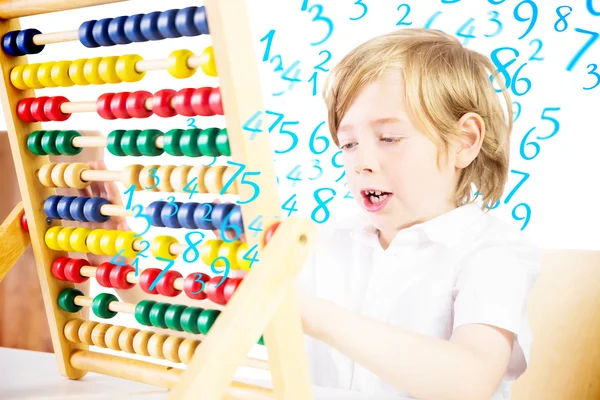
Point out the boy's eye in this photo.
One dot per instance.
(391, 139)
(347, 146)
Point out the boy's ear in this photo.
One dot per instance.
(472, 130)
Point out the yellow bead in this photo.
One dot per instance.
(243, 263)
(209, 250)
(108, 242)
(126, 68)
(45, 174)
(207, 62)
(45, 74)
(51, 237)
(91, 71)
(16, 77)
(160, 247)
(229, 251)
(72, 175)
(78, 240)
(93, 241)
(108, 70)
(30, 76)
(60, 74)
(64, 239)
(125, 242)
(58, 175)
(76, 72)
(213, 180)
(177, 64)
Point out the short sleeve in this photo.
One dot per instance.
(494, 285)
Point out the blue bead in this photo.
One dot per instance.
(169, 215)
(76, 208)
(91, 209)
(200, 21)
(185, 215)
(116, 30)
(219, 213)
(85, 34)
(132, 28)
(25, 42)
(202, 216)
(184, 22)
(149, 26)
(235, 217)
(50, 206)
(9, 44)
(100, 32)
(63, 208)
(154, 210)
(166, 24)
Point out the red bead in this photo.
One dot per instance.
(103, 106)
(215, 101)
(58, 268)
(103, 274)
(190, 286)
(182, 102)
(231, 286)
(52, 109)
(73, 270)
(269, 232)
(24, 223)
(161, 103)
(135, 104)
(37, 109)
(118, 277)
(200, 103)
(166, 284)
(214, 293)
(24, 110)
(147, 278)
(118, 105)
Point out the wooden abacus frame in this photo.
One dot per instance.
(265, 301)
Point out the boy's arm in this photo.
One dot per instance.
(469, 366)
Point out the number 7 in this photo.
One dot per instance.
(585, 47)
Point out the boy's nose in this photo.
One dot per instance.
(366, 161)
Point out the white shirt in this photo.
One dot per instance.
(462, 267)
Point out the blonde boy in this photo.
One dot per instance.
(422, 293)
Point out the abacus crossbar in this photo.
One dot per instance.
(25, 8)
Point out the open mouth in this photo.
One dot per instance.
(374, 199)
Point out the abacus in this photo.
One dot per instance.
(256, 306)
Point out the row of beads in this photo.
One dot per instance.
(76, 208)
(165, 103)
(209, 179)
(190, 21)
(102, 70)
(210, 142)
(112, 276)
(110, 242)
(57, 143)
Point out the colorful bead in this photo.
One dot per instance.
(125, 68)
(189, 143)
(142, 312)
(52, 109)
(242, 260)
(63, 239)
(231, 285)
(9, 44)
(184, 21)
(214, 100)
(116, 30)
(199, 102)
(207, 319)
(166, 24)
(228, 176)
(86, 37)
(103, 106)
(149, 26)
(193, 288)
(24, 223)
(49, 142)
(179, 176)
(161, 103)
(92, 210)
(207, 62)
(77, 208)
(160, 247)
(76, 72)
(166, 286)
(25, 41)
(30, 76)
(107, 69)
(24, 110)
(202, 216)
(207, 142)
(214, 290)
(131, 176)
(34, 143)
(132, 30)
(101, 303)
(44, 174)
(72, 175)
(129, 142)
(16, 77)
(103, 274)
(44, 74)
(229, 251)
(169, 215)
(118, 105)
(219, 214)
(66, 300)
(37, 109)
(171, 142)
(173, 316)
(269, 232)
(91, 71)
(157, 315)
(112, 337)
(185, 215)
(93, 241)
(214, 178)
(164, 172)
(146, 142)
(147, 178)
(125, 242)
(187, 350)
(114, 143)
(170, 348)
(108, 242)
(118, 277)
(60, 74)
(155, 345)
(177, 64)
(63, 208)
(182, 102)
(73, 270)
(136, 104)
(210, 250)
(78, 239)
(189, 318)
(64, 143)
(147, 278)
(58, 268)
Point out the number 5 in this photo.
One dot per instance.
(554, 122)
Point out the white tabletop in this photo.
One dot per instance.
(33, 375)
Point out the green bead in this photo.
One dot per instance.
(129, 143)
(146, 142)
(100, 305)
(49, 142)
(222, 142)
(173, 316)
(207, 319)
(157, 315)
(189, 318)
(261, 341)
(171, 142)
(34, 143)
(66, 300)
(64, 143)
(114, 143)
(189, 143)
(207, 142)
(142, 312)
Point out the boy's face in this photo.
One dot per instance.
(385, 153)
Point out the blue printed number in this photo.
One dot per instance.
(591, 9)
(314, 137)
(163, 272)
(255, 118)
(192, 247)
(532, 18)
(562, 19)
(319, 17)
(225, 273)
(140, 214)
(527, 216)
(290, 209)
(254, 256)
(321, 205)
(198, 278)
(468, 35)
(402, 22)
(494, 18)
(253, 225)
(593, 37)
(364, 10)
(594, 73)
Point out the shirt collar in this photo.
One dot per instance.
(447, 229)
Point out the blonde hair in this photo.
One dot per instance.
(443, 81)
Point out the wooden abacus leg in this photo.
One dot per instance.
(13, 240)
